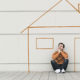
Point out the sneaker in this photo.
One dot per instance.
(63, 71)
(57, 71)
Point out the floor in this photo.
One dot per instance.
(39, 76)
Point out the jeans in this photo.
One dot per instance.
(59, 66)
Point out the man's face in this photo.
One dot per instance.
(60, 47)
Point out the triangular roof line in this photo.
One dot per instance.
(73, 6)
(41, 16)
(49, 11)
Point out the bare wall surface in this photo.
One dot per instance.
(15, 15)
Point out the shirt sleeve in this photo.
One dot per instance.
(64, 54)
(55, 55)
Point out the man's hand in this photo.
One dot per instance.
(59, 51)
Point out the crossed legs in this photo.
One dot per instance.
(59, 66)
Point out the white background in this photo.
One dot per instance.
(15, 15)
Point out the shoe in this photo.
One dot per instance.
(57, 71)
(63, 71)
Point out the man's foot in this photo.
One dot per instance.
(63, 71)
(57, 70)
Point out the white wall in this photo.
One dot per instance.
(15, 15)
(42, 57)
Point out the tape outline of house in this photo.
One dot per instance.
(30, 26)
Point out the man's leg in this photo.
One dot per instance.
(65, 64)
(54, 65)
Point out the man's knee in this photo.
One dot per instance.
(66, 60)
(52, 61)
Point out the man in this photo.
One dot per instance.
(60, 59)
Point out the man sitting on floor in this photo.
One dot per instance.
(60, 59)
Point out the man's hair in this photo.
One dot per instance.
(62, 44)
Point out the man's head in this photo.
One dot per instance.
(61, 46)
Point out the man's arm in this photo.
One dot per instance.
(55, 55)
(64, 54)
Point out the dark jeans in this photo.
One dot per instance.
(59, 66)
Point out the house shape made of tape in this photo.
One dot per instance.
(44, 36)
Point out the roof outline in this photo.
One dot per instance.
(30, 26)
(72, 6)
(41, 16)
(49, 11)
